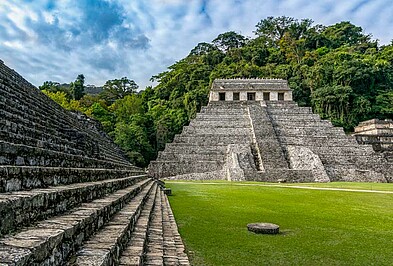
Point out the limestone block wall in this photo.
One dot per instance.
(35, 131)
(342, 157)
(214, 95)
(242, 87)
(379, 134)
(375, 127)
(68, 196)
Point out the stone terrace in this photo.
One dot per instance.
(68, 196)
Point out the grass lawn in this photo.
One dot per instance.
(318, 227)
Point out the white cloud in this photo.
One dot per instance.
(173, 28)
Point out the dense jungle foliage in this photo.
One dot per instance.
(341, 72)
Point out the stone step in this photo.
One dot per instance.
(281, 104)
(209, 122)
(310, 130)
(106, 246)
(361, 162)
(299, 110)
(236, 112)
(226, 105)
(170, 256)
(213, 139)
(318, 140)
(210, 116)
(187, 156)
(346, 173)
(23, 155)
(322, 125)
(14, 178)
(48, 144)
(25, 207)
(193, 148)
(216, 131)
(154, 252)
(133, 253)
(31, 109)
(172, 168)
(172, 237)
(295, 117)
(218, 112)
(344, 150)
(311, 134)
(33, 127)
(293, 123)
(245, 123)
(52, 241)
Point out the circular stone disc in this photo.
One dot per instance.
(263, 228)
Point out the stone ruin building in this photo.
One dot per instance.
(68, 195)
(379, 134)
(252, 130)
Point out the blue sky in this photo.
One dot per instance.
(106, 39)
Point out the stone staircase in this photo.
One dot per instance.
(68, 195)
(125, 221)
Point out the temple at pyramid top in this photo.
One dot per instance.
(250, 90)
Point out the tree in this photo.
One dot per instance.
(61, 98)
(133, 137)
(333, 102)
(202, 48)
(274, 29)
(118, 88)
(50, 86)
(385, 104)
(78, 87)
(128, 106)
(343, 33)
(229, 40)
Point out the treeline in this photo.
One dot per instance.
(341, 72)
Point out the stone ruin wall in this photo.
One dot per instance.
(68, 195)
(379, 134)
(43, 144)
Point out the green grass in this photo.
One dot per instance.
(318, 227)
